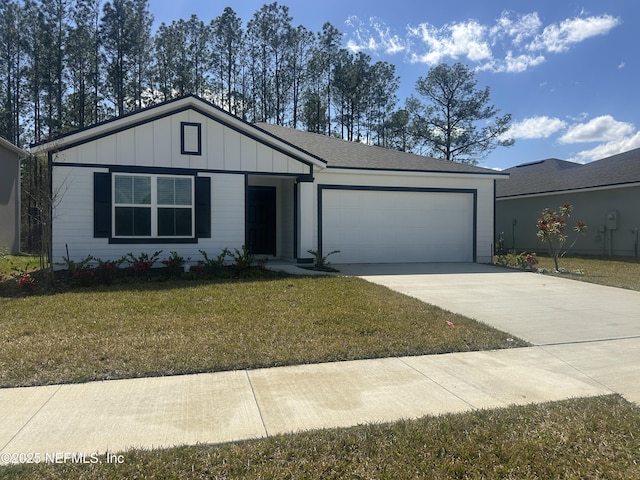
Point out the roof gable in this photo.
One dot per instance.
(172, 107)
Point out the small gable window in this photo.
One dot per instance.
(190, 138)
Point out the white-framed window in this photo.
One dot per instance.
(153, 206)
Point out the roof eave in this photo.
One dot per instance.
(398, 171)
(569, 190)
(15, 149)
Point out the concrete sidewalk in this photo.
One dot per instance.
(219, 407)
(580, 351)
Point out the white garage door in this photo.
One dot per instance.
(371, 226)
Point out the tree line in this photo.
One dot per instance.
(65, 65)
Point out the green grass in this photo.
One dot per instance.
(593, 438)
(172, 327)
(179, 326)
(12, 265)
(610, 271)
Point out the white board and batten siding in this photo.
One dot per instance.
(73, 219)
(421, 218)
(225, 155)
(157, 143)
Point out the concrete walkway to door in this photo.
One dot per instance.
(594, 328)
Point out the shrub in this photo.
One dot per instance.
(26, 282)
(499, 248)
(80, 272)
(522, 260)
(108, 270)
(319, 260)
(242, 259)
(175, 264)
(211, 266)
(142, 263)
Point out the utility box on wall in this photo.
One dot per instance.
(612, 220)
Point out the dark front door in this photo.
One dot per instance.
(261, 220)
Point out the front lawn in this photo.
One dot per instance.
(173, 327)
(611, 271)
(589, 438)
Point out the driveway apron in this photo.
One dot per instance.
(541, 309)
(593, 328)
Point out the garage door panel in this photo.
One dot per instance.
(390, 226)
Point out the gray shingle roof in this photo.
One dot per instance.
(553, 175)
(340, 153)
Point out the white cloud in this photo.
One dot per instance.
(514, 43)
(621, 66)
(536, 127)
(600, 129)
(523, 27)
(558, 37)
(610, 148)
(467, 39)
(376, 37)
(513, 64)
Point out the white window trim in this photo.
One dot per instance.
(153, 206)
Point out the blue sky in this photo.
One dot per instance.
(567, 71)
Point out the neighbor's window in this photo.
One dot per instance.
(153, 206)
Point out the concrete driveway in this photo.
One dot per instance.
(593, 328)
(541, 309)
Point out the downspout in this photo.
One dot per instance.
(50, 206)
(493, 248)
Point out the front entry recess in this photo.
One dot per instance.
(261, 220)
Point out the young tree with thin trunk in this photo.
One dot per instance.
(551, 227)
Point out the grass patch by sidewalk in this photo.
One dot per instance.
(580, 438)
(178, 326)
(611, 271)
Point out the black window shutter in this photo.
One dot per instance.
(101, 205)
(203, 207)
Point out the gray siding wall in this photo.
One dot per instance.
(517, 218)
(9, 201)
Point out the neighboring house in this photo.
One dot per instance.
(605, 194)
(10, 157)
(186, 176)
